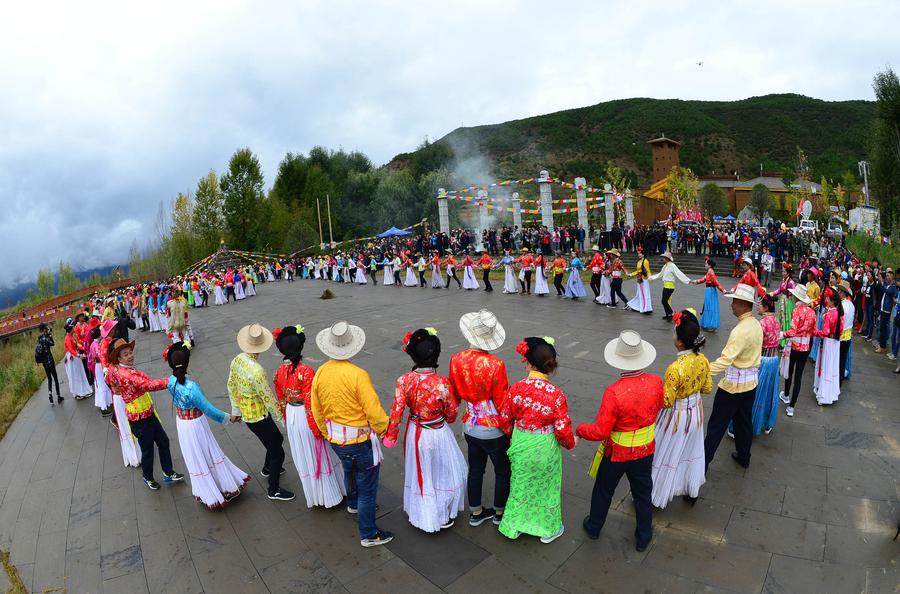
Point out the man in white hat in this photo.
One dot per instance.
(349, 414)
(479, 378)
(740, 361)
(625, 428)
(799, 335)
(669, 273)
(252, 399)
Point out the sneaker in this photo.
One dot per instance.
(173, 478)
(106, 412)
(549, 539)
(152, 484)
(497, 519)
(381, 538)
(482, 517)
(448, 524)
(610, 306)
(768, 430)
(281, 494)
(730, 433)
(265, 472)
(790, 411)
(352, 510)
(892, 356)
(59, 398)
(784, 398)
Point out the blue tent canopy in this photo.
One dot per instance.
(394, 232)
(728, 218)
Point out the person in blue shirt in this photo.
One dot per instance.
(888, 298)
(574, 286)
(215, 480)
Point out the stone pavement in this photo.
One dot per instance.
(815, 512)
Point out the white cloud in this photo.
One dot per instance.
(110, 107)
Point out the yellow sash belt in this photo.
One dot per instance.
(628, 439)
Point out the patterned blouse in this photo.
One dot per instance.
(478, 376)
(428, 396)
(294, 387)
(687, 375)
(534, 405)
(803, 324)
(248, 388)
(771, 331)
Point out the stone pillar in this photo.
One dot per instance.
(517, 206)
(581, 201)
(443, 211)
(482, 219)
(629, 209)
(608, 203)
(546, 201)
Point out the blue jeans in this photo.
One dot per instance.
(361, 481)
(884, 329)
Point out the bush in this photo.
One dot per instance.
(867, 249)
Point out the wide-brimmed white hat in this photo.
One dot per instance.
(629, 352)
(482, 330)
(341, 341)
(254, 338)
(747, 260)
(800, 293)
(743, 292)
(668, 254)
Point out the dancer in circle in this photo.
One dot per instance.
(526, 261)
(540, 276)
(679, 462)
(509, 274)
(435, 477)
(470, 283)
(450, 263)
(558, 268)
(486, 263)
(765, 405)
(539, 414)
(669, 273)
(641, 302)
(574, 286)
(709, 317)
(78, 382)
(215, 480)
(319, 468)
(437, 281)
(826, 385)
(796, 352)
(410, 277)
(596, 266)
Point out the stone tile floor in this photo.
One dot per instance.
(815, 512)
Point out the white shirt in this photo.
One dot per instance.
(669, 272)
(849, 313)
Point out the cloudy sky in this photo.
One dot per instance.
(108, 108)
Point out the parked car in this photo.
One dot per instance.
(834, 230)
(807, 226)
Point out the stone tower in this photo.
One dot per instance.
(665, 156)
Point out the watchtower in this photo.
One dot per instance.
(665, 156)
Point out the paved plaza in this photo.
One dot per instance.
(815, 512)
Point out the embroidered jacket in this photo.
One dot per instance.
(596, 264)
(135, 387)
(771, 332)
(428, 396)
(249, 391)
(534, 404)
(687, 375)
(479, 378)
(293, 386)
(803, 325)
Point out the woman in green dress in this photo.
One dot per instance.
(538, 413)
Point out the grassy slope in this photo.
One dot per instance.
(721, 136)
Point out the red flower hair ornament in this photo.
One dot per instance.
(522, 349)
(406, 338)
(276, 333)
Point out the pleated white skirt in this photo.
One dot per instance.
(387, 277)
(605, 290)
(444, 471)
(154, 321)
(540, 281)
(469, 280)
(509, 280)
(410, 280)
(220, 296)
(679, 461)
(78, 382)
(827, 385)
(361, 276)
(436, 281)
(131, 450)
(239, 291)
(641, 301)
(212, 473)
(102, 393)
(251, 289)
(320, 470)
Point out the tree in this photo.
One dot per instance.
(207, 213)
(885, 148)
(682, 187)
(242, 190)
(45, 284)
(760, 201)
(66, 279)
(713, 201)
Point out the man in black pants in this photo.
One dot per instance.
(45, 351)
(803, 324)
(486, 263)
(252, 400)
(616, 270)
(740, 361)
(596, 268)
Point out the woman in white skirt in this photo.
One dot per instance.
(388, 272)
(605, 296)
(78, 381)
(435, 478)
(827, 386)
(215, 480)
(219, 291)
(250, 291)
(641, 301)
(437, 281)
(470, 282)
(152, 301)
(239, 286)
(540, 274)
(410, 279)
(320, 470)
(509, 274)
(360, 271)
(96, 359)
(679, 461)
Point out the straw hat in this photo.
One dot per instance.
(799, 292)
(524, 250)
(341, 341)
(629, 352)
(668, 254)
(845, 287)
(595, 248)
(482, 330)
(614, 252)
(117, 347)
(254, 338)
(743, 292)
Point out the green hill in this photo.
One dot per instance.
(716, 136)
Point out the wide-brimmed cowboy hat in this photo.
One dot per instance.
(341, 340)
(668, 254)
(743, 292)
(629, 352)
(845, 287)
(482, 330)
(800, 293)
(254, 338)
(117, 347)
(614, 252)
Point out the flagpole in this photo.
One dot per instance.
(319, 211)
(330, 236)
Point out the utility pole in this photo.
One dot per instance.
(864, 171)
(319, 210)
(330, 236)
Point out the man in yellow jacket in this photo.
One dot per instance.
(350, 416)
